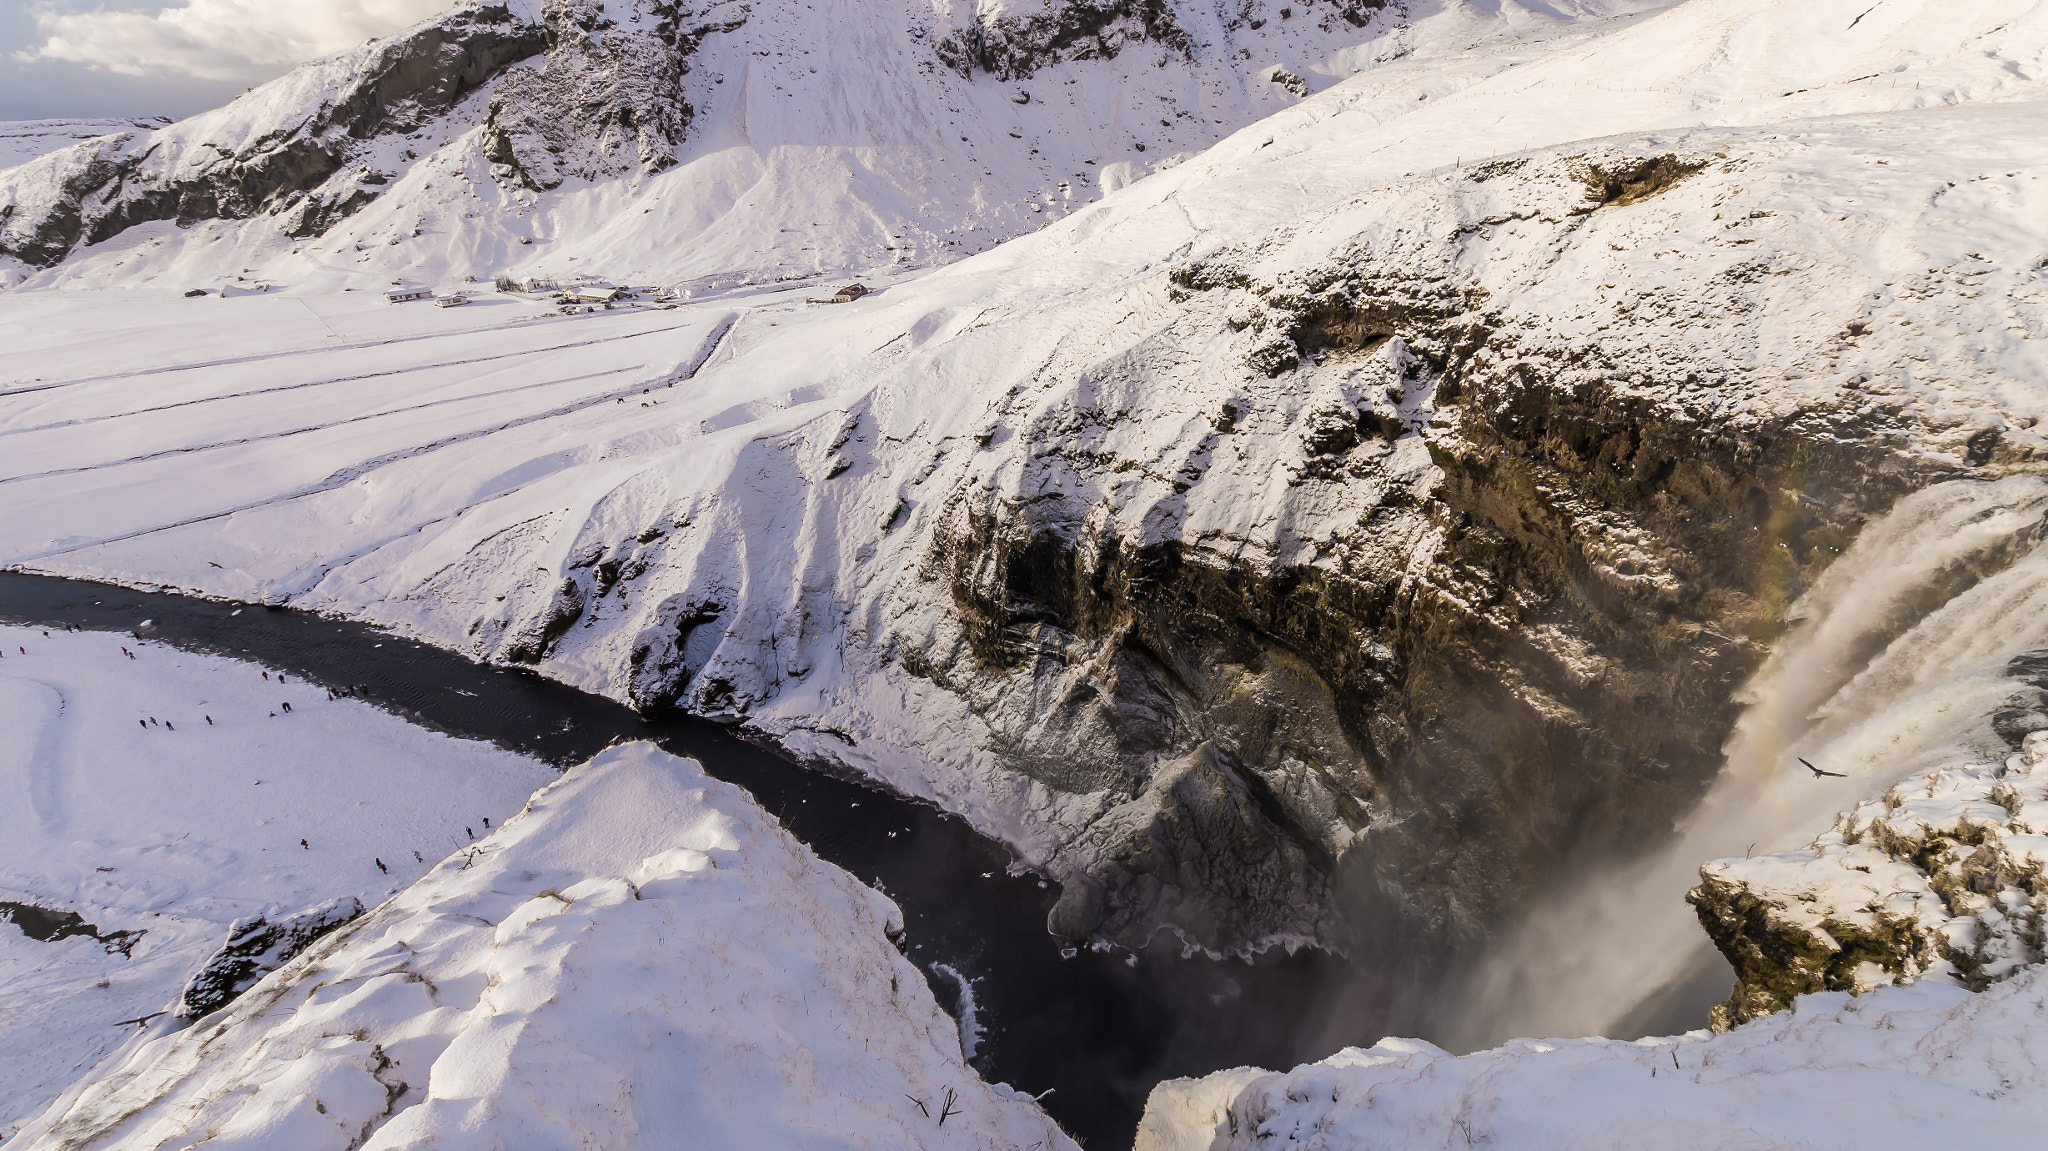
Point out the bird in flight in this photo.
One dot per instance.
(1817, 772)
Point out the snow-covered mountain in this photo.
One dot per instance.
(1289, 546)
(712, 144)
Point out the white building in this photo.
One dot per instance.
(453, 301)
(401, 295)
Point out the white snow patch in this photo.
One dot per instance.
(1899, 1069)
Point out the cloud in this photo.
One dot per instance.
(239, 40)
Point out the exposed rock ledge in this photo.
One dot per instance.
(1940, 878)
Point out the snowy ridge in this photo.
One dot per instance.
(1899, 1068)
(728, 143)
(24, 140)
(640, 955)
(172, 831)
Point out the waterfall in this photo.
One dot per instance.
(1895, 659)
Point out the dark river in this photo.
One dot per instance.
(1095, 1029)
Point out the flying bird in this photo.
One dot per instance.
(1817, 772)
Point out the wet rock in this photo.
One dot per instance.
(255, 947)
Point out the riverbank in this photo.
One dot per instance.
(1097, 1029)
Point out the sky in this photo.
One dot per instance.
(62, 58)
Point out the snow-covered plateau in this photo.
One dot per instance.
(1428, 518)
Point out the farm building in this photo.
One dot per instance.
(401, 295)
(595, 294)
(849, 293)
(452, 301)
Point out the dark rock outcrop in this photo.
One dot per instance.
(255, 947)
(606, 97)
(1013, 48)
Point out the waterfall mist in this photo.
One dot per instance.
(1897, 656)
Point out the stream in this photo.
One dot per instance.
(1091, 1031)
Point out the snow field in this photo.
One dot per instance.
(1899, 1069)
(177, 828)
(641, 958)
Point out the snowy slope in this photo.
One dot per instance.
(740, 142)
(1901, 1068)
(640, 958)
(173, 830)
(1280, 363)
(24, 140)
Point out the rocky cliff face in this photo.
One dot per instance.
(606, 98)
(1013, 41)
(1361, 632)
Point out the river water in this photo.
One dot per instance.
(1095, 1029)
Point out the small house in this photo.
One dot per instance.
(455, 300)
(849, 293)
(594, 294)
(401, 295)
